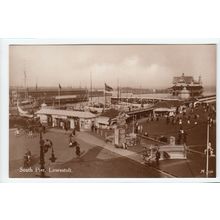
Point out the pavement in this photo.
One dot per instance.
(122, 152)
(98, 160)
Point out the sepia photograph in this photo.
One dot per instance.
(112, 110)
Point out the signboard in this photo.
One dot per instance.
(122, 136)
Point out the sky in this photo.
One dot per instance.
(140, 66)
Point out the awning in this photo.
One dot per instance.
(164, 110)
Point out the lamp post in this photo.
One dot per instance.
(43, 150)
(42, 160)
(209, 149)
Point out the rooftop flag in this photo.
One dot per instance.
(108, 88)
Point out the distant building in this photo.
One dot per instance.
(186, 87)
(50, 96)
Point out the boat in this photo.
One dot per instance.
(23, 113)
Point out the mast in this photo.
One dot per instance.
(87, 94)
(59, 91)
(104, 98)
(118, 92)
(91, 86)
(25, 85)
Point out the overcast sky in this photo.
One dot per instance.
(145, 66)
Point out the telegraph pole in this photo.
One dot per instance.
(207, 150)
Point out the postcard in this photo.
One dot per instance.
(112, 110)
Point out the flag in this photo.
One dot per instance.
(108, 88)
(60, 86)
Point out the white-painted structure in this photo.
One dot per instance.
(61, 118)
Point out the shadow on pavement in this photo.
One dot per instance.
(89, 166)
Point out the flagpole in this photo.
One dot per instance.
(59, 96)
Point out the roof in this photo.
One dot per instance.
(139, 110)
(77, 114)
(183, 79)
(66, 97)
(168, 104)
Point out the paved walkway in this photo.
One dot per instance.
(89, 138)
(96, 149)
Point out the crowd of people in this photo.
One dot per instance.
(30, 127)
(183, 118)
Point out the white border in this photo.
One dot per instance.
(4, 116)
